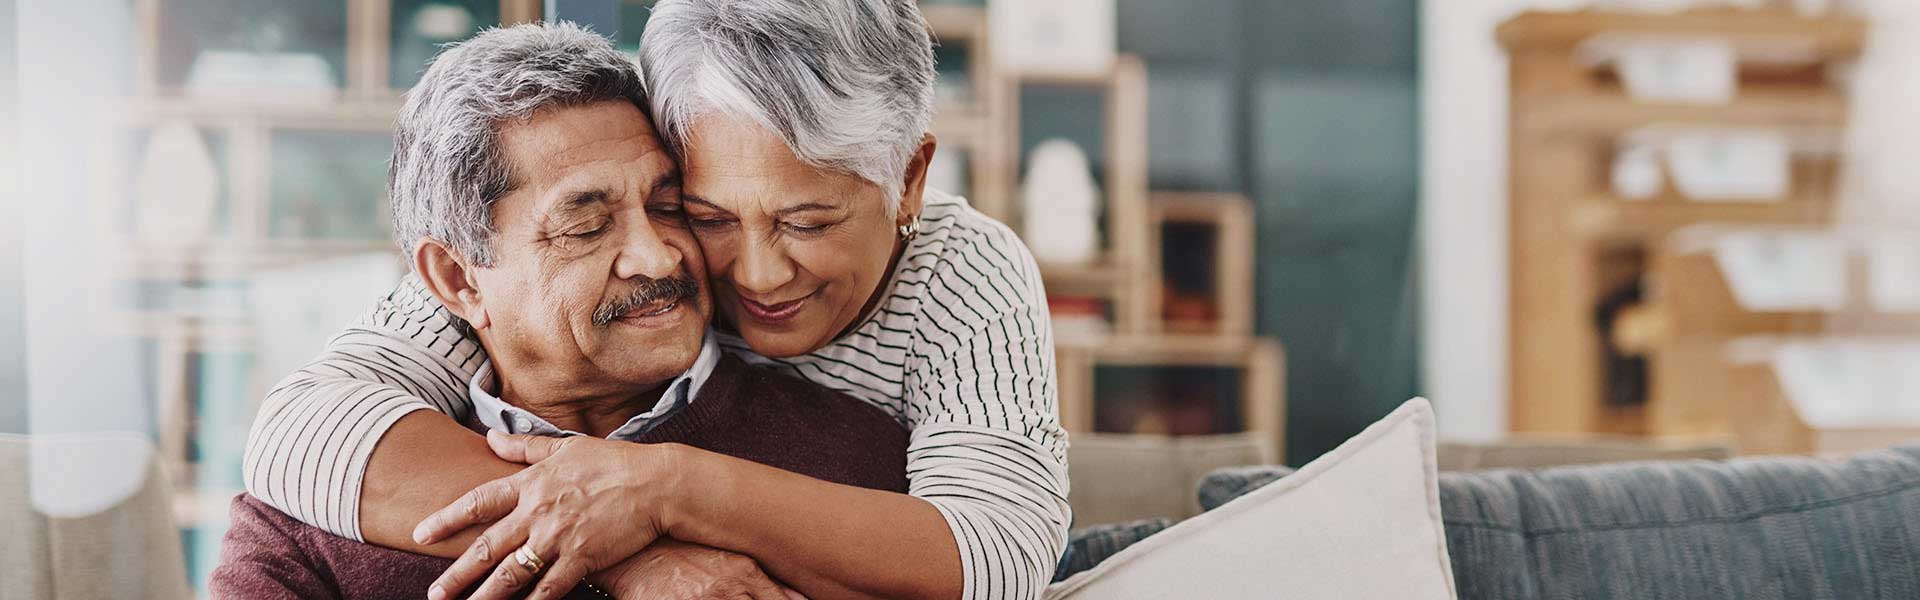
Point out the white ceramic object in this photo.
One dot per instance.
(1783, 271)
(1061, 205)
(1731, 165)
(1636, 172)
(1690, 71)
(176, 188)
(1053, 37)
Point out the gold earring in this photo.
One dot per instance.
(910, 229)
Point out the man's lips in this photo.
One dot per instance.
(774, 312)
(651, 310)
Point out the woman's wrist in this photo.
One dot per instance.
(681, 480)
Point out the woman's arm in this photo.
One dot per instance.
(314, 441)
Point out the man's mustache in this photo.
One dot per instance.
(679, 288)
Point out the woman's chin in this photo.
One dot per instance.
(784, 344)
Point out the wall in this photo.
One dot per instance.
(13, 378)
(73, 56)
(1463, 199)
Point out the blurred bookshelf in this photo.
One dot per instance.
(1679, 315)
(247, 164)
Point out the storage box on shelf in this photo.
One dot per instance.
(1576, 246)
(1227, 267)
(1825, 395)
(1720, 299)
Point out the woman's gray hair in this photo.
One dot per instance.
(848, 84)
(447, 168)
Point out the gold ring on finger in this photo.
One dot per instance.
(526, 558)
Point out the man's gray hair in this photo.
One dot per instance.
(447, 168)
(848, 84)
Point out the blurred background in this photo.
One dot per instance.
(1644, 223)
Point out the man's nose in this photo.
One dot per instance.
(643, 253)
(762, 267)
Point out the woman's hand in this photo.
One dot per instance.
(584, 505)
(674, 570)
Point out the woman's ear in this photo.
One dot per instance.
(916, 182)
(450, 281)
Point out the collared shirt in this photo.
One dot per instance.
(497, 415)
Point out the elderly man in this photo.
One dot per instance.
(541, 210)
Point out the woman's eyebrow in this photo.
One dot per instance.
(805, 207)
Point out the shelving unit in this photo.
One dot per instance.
(1128, 275)
(247, 124)
(1576, 247)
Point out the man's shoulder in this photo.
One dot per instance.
(267, 553)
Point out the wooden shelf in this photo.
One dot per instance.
(1575, 245)
(1606, 218)
(1262, 361)
(1231, 218)
(1832, 37)
(1613, 114)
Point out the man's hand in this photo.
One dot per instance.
(584, 505)
(674, 570)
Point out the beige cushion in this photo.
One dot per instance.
(1541, 452)
(1361, 522)
(87, 516)
(1120, 478)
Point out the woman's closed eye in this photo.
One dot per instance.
(808, 228)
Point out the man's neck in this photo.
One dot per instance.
(595, 415)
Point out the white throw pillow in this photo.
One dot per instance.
(1361, 522)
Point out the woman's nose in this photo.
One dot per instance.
(761, 267)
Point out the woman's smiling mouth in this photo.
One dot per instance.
(774, 313)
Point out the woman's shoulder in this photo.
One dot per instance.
(960, 239)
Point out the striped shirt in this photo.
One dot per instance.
(958, 351)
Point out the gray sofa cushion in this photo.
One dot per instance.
(1781, 527)
(1799, 528)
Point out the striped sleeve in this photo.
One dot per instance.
(308, 450)
(987, 448)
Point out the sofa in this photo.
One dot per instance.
(1842, 528)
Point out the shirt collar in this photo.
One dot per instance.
(497, 415)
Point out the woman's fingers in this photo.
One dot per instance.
(560, 578)
(492, 547)
(491, 501)
(524, 449)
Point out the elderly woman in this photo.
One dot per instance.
(802, 130)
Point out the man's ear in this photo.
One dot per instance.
(450, 281)
(916, 182)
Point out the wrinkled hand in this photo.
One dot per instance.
(674, 570)
(584, 505)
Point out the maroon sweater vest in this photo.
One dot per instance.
(744, 412)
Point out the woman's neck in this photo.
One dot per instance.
(879, 291)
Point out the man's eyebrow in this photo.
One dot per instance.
(575, 203)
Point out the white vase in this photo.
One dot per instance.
(1061, 205)
(177, 187)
